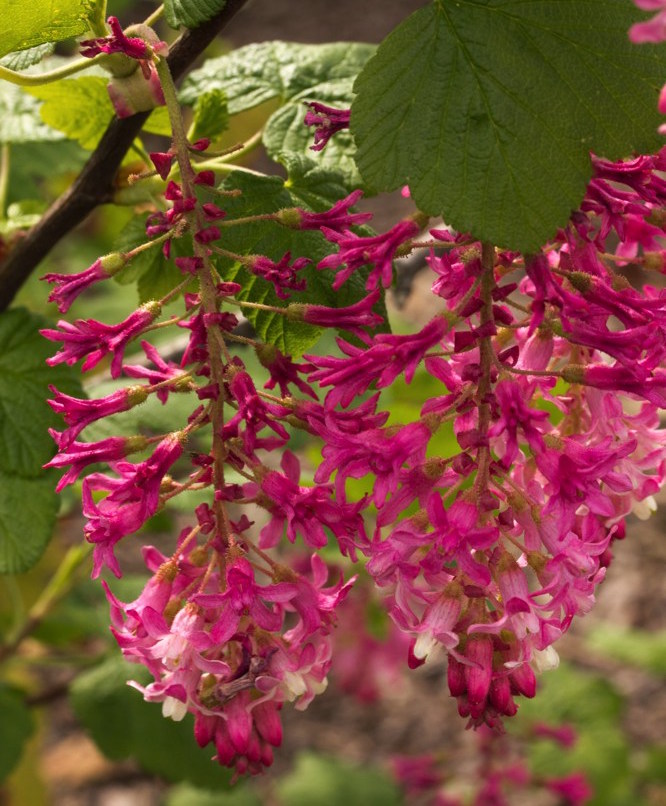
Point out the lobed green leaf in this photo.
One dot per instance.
(26, 25)
(26, 58)
(28, 509)
(488, 110)
(211, 116)
(257, 73)
(25, 418)
(80, 108)
(191, 13)
(20, 121)
(331, 782)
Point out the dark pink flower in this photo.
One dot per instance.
(79, 413)
(166, 370)
(252, 416)
(377, 251)
(574, 789)
(92, 340)
(142, 49)
(380, 363)
(69, 286)
(283, 371)
(337, 219)
(283, 274)
(352, 318)
(381, 452)
(307, 510)
(162, 160)
(328, 120)
(81, 454)
(133, 498)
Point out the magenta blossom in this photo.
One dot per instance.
(328, 120)
(337, 219)
(81, 454)
(69, 286)
(283, 274)
(79, 413)
(133, 498)
(352, 318)
(134, 47)
(377, 250)
(92, 340)
(654, 30)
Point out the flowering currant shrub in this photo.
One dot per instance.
(547, 355)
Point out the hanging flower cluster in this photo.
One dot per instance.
(550, 369)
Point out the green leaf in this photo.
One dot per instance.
(184, 795)
(158, 122)
(25, 416)
(25, 25)
(16, 726)
(257, 73)
(20, 121)
(25, 530)
(265, 195)
(26, 58)
(191, 13)
(317, 186)
(32, 163)
(488, 109)
(647, 650)
(124, 725)
(330, 782)
(211, 116)
(80, 108)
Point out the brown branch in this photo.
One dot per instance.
(94, 185)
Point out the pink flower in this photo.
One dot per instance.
(79, 413)
(352, 318)
(92, 340)
(283, 371)
(574, 789)
(281, 274)
(166, 370)
(653, 30)
(337, 218)
(307, 510)
(328, 120)
(132, 499)
(134, 47)
(81, 454)
(382, 362)
(69, 286)
(380, 452)
(356, 251)
(254, 414)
